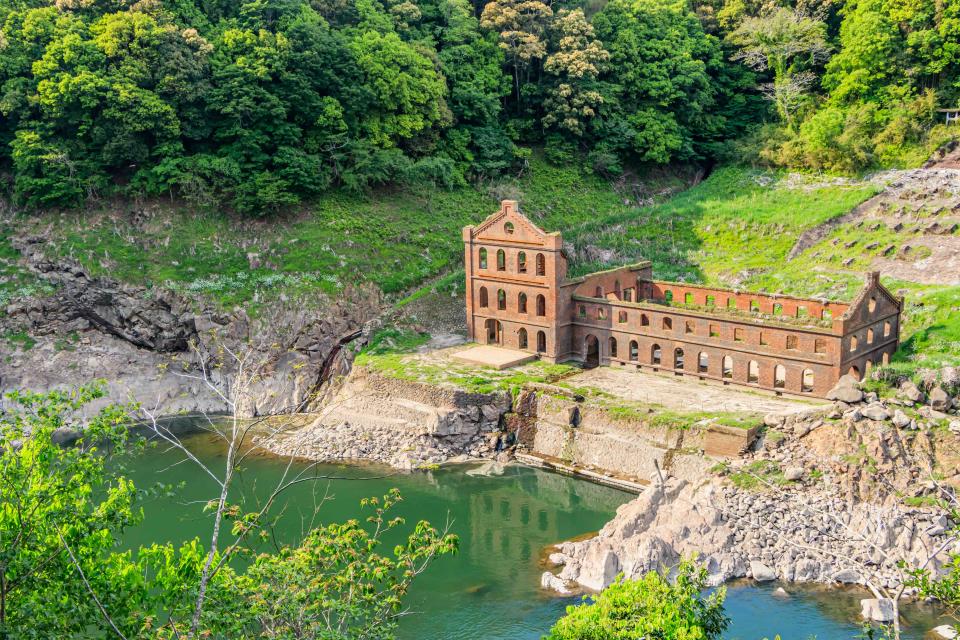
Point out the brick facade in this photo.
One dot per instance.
(519, 296)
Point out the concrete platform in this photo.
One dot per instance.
(496, 357)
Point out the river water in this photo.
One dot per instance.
(490, 589)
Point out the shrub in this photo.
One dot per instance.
(653, 606)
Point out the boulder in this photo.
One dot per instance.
(900, 419)
(773, 420)
(910, 391)
(761, 572)
(844, 391)
(939, 400)
(875, 412)
(945, 631)
(557, 558)
(793, 473)
(877, 609)
(847, 576)
(599, 568)
(554, 583)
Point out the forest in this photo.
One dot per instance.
(258, 106)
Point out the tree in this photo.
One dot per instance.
(576, 64)
(786, 43)
(520, 25)
(658, 605)
(660, 89)
(64, 508)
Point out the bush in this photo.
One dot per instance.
(651, 607)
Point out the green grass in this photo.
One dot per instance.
(398, 239)
(758, 475)
(734, 229)
(20, 339)
(390, 354)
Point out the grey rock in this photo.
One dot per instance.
(876, 609)
(773, 420)
(793, 473)
(939, 400)
(761, 572)
(945, 631)
(844, 392)
(875, 412)
(901, 420)
(780, 592)
(554, 583)
(911, 392)
(847, 576)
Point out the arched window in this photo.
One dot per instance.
(655, 354)
(867, 366)
(754, 306)
(855, 372)
(791, 342)
(872, 305)
(541, 305)
(688, 298)
(738, 334)
(483, 258)
(887, 328)
(501, 260)
(806, 385)
(886, 358)
(634, 351)
(644, 320)
(601, 313)
(483, 297)
(779, 376)
(613, 347)
(869, 336)
(819, 345)
(622, 317)
(521, 262)
(541, 265)
(668, 295)
(727, 368)
(541, 341)
(688, 327)
(582, 311)
(616, 288)
(628, 295)
(501, 300)
(522, 303)
(508, 228)
(753, 372)
(667, 324)
(678, 358)
(853, 343)
(703, 362)
(598, 293)
(763, 338)
(522, 338)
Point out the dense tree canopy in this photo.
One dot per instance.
(258, 105)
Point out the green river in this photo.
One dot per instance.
(490, 589)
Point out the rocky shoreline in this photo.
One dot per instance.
(841, 496)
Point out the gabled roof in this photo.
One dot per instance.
(495, 226)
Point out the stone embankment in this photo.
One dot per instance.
(405, 424)
(822, 497)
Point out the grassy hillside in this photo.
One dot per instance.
(736, 228)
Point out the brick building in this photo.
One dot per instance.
(519, 296)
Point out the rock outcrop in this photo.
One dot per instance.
(790, 536)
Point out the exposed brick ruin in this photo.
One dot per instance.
(519, 296)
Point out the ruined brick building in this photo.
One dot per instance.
(519, 296)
